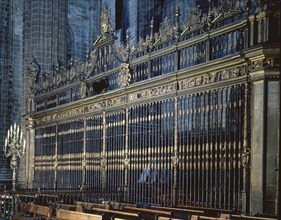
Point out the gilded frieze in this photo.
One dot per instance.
(264, 63)
(148, 93)
(212, 77)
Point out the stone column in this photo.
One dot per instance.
(265, 130)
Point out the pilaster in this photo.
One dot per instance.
(265, 130)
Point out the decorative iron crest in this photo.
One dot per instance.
(224, 9)
(104, 19)
(228, 7)
(195, 20)
(166, 30)
(121, 52)
(124, 78)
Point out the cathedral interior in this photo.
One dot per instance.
(140, 109)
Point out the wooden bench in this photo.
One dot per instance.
(114, 213)
(148, 213)
(198, 217)
(43, 212)
(244, 217)
(89, 205)
(230, 216)
(71, 215)
(212, 212)
(168, 218)
(178, 212)
(77, 208)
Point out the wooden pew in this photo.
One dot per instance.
(168, 218)
(25, 209)
(245, 217)
(178, 212)
(199, 217)
(71, 215)
(114, 213)
(77, 208)
(230, 216)
(212, 212)
(89, 205)
(148, 213)
(44, 212)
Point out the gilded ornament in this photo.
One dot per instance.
(124, 78)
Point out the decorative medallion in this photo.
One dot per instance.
(124, 78)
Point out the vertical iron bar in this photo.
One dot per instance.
(212, 162)
(191, 150)
(220, 150)
(126, 155)
(216, 150)
(176, 152)
(188, 146)
(208, 167)
(103, 154)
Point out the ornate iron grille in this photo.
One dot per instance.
(69, 154)
(187, 149)
(210, 146)
(115, 146)
(151, 140)
(94, 144)
(45, 141)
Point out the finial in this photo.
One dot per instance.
(151, 28)
(248, 6)
(178, 30)
(128, 40)
(210, 15)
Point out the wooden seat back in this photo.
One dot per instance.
(71, 215)
(42, 211)
(113, 213)
(35, 210)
